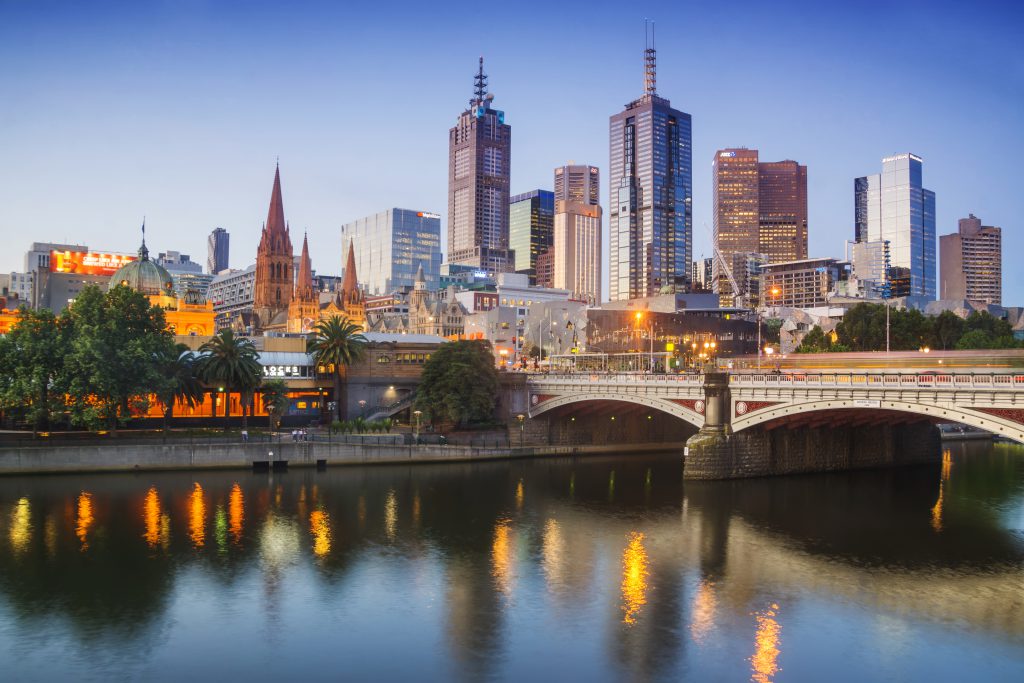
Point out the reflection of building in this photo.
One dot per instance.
(391, 245)
(479, 165)
(894, 206)
(272, 290)
(531, 218)
(972, 263)
(651, 179)
(217, 251)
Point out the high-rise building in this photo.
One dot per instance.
(275, 276)
(972, 262)
(577, 250)
(578, 183)
(702, 274)
(391, 245)
(870, 266)
(217, 251)
(531, 218)
(479, 165)
(759, 208)
(893, 205)
(651, 194)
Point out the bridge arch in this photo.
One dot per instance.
(655, 403)
(994, 424)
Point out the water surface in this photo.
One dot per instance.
(592, 569)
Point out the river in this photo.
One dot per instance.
(597, 568)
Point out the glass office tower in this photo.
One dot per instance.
(531, 218)
(389, 246)
(651, 195)
(894, 206)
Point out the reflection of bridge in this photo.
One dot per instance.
(990, 401)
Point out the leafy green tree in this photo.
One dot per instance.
(947, 329)
(275, 399)
(31, 366)
(232, 363)
(863, 328)
(459, 383)
(988, 323)
(178, 367)
(815, 341)
(113, 355)
(336, 344)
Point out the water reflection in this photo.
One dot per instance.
(84, 519)
(662, 582)
(634, 578)
(764, 662)
(320, 528)
(21, 526)
(197, 517)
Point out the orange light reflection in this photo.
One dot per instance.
(197, 516)
(236, 513)
(84, 519)
(634, 578)
(766, 641)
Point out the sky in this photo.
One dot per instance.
(178, 110)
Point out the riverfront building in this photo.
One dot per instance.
(972, 263)
(390, 246)
(894, 206)
(479, 166)
(651, 194)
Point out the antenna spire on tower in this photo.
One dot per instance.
(480, 83)
(650, 60)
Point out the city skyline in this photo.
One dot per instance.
(101, 135)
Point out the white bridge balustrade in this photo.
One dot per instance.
(991, 400)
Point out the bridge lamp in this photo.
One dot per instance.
(769, 350)
(925, 349)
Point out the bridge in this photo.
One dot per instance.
(751, 423)
(990, 401)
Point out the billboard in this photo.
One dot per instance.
(87, 263)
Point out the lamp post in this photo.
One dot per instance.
(522, 427)
(416, 432)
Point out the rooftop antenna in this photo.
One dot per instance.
(650, 60)
(480, 83)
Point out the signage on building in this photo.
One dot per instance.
(424, 214)
(87, 263)
(282, 371)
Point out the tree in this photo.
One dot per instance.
(275, 399)
(232, 363)
(112, 356)
(947, 328)
(863, 328)
(31, 366)
(815, 341)
(459, 383)
(336, 344)
(178, 367)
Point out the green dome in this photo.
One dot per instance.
(143, 275)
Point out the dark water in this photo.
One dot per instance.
(589, 569)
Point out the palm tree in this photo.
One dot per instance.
(336, 344)
(275, 399)
(178, 365)
(230, 362)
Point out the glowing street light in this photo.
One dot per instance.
(417, 413)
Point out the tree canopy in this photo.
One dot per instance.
(459, 383)
(336, 343)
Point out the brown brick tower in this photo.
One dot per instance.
(272, 292)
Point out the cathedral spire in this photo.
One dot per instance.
(305, 279)
(350, 283)
(275, 217)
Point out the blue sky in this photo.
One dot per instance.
(177, 110)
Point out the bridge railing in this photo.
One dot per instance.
(620, 378)
(882, 380)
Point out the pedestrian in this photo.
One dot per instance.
(295, 435)
(245, 435)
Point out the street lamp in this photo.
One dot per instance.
(417, 413)
(522, 427)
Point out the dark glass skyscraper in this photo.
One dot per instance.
(217, 251)
(651, 194)
(479, 163)
(531, 221)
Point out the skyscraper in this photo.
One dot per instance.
(576, 253)
(531, 218)
(651, 194)
(217, 251)
(272, 291)
(760, 212)
(894, 206)
(479, 163)
(390, 246)
(971, 262)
